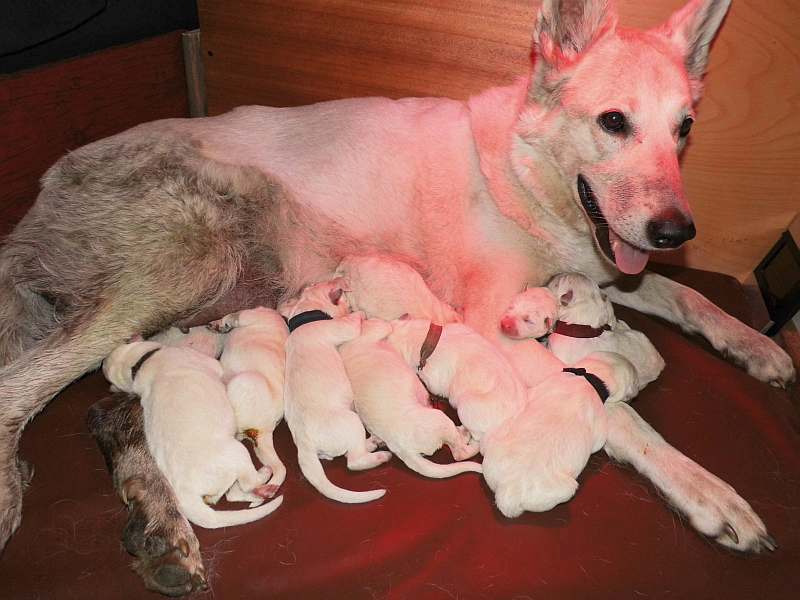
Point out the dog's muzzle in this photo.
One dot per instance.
(628, 258)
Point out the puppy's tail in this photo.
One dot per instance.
(265, 451)
(311, 467)
(199, 513)
(423, 466)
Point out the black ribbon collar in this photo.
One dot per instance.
(304, 318)
(599, 386)
(574, 330)
(135, 368)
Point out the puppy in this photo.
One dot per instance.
(317, 392)
(463, 367)
(395, 407)
(532, 460)
(190, 429)
(585, 323)
(384, 287)
(254, 360)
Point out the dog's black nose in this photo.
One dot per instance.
(670, 230)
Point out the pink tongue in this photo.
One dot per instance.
(629, 260)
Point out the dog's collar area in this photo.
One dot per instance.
(139, 363)
(304, 318)
(429, 345)
(599, 386)
(574, 330)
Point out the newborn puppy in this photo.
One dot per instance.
(463, 367)
(190, 429)
(317, 392)
(254, 361)
(384, 287)
(531, 461)
(586, 324)
(394, 405)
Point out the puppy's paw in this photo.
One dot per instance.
(167, 551)
(220, 326)
(266, 491)
(716, 510)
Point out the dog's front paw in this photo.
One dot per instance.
(716, 510)
(762, 358)
(166, 549)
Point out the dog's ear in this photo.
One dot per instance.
(566, 28)
(336, 295)
(566, 298)
(692, 29)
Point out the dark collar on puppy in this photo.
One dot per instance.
(579, 331)
(304, 318)
(135, 368)
(594, 381)
(429, 345)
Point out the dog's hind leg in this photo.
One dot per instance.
(713, 507)
(157, 534)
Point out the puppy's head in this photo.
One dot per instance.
(327, 296)
(611, 109)
(616, 372)
(532, 314)
(581, 301)
(259, 316)
(117, 367)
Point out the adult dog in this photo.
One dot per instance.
(573, 168)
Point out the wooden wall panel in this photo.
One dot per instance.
(48, 111)
(741, 168)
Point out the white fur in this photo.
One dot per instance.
(466, 369)
(190, 430)
(254, 361)
(318, 396)
(385, 287)
(531, 461)
(395, 408)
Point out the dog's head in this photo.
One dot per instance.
(581, 301)
(613, 109)
(327, 296)
(532, 314)
(260, 316)
(615, 371)
(118, 366)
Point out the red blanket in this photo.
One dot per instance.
(444, 539)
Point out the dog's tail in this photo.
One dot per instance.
(265, 451)
(311, 467)
(423, 466)
(199, 513)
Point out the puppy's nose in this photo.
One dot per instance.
(508, 326)
(670, 230)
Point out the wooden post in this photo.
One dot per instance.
(195, 74)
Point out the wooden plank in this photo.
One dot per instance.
(195, 75)
(48, 111)
(741, 169)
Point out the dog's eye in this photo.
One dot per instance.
(612, 121)
(686, 127)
